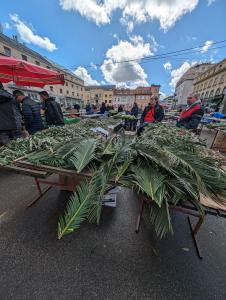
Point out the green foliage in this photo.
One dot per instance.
(84, 154)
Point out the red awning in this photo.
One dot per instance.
(24, 73)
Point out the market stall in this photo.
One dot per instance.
(168, 166)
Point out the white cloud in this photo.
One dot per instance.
(206, 46)
(83, 74)
(210, 2)
(167, 66)
(127, 73)
(28, 36)
(176, 74)
(167, 12)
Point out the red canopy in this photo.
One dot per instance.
(24, 73)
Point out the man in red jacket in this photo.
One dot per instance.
(192, 115)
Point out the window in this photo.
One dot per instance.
(211, 93)
(106, 96)
(207, 94)
(73, 93)
(221, 79)
(77, 95)
(24, 57)
(67, 92)
(210, 83)
(61, 91)
(72, 85)
(7, 51)
(215, 81)
(37, 63)
(66, 84)
(202, 96)
(48, 67)
(105, 101)
(218, 91)
(109, 101)
(51, 88)
(81, 89)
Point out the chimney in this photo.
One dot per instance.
(15, 38)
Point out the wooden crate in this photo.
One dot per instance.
(220, 142)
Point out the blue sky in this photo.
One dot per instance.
(79, 34)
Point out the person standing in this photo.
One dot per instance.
(120, 108)
(192, 115)
(31, 112)
(134, 112)
(10, 117)
(52, 109)
(152, 113)
(103, 108)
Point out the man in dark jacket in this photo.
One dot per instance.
(53, 112)
(192, 115)
(10, 117)
(103, 108)
(31, 112)
(153, 113)
(134, 112)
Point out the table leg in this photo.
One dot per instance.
(194, 231)
(139, 216)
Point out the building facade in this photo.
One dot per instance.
(169, 102)
(185, 86)
(98, 94)
(124, 97)
(210, 86)
(68, 94)
(144, 94)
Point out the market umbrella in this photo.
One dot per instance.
(24, 73)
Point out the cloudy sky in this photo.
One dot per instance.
(124, 42)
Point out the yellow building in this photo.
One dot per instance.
(98, 94)
(211, 84)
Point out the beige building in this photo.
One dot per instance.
(185, 86)
(124, 97)
(211, 83)
(98, 94)
(143, 95)
(70, 93)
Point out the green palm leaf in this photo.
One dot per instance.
(84, 154)
(151, 182)
(160, 218)
(79, 205)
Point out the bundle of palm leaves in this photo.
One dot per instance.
(166, 165)
(45, 142)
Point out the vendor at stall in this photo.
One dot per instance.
(153, 113)
(52, 109)
(31, 112)
(192, 115)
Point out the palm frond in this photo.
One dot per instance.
(150, 182)
(79, 205)
(160, 218)
(84, 154)
(122, 169)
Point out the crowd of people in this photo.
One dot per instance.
(21, 116)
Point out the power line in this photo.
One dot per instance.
(188, 51)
